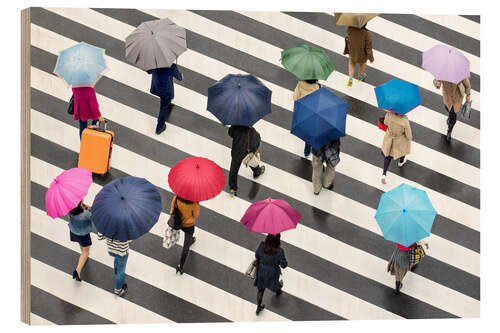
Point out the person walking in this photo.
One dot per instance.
(119, 251)
(162, 85)
(329, 153)
(359, 48)
(80, 226)
(245, 140)
(270, 258)
(397, 140)
(85, 106)
(304, 88)
(399, 263)
(189, 211)
(453, 95)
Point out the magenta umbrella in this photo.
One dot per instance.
(446, 63)
(270, 216)
(66, 191)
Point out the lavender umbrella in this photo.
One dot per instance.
(270, 216)
(446, 63)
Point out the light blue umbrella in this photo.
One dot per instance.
(80, 64)
(398, 96)
(405, 215)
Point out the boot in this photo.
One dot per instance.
(398, 287)
(450, 129)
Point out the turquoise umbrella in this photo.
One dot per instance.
(405, 215)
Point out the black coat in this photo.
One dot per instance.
(240, 141)
(162, 83)
(269, 271)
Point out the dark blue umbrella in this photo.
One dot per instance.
(126, 208)
(239, 100)
(319, 118)
(398, 96)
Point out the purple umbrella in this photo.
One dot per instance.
(270, 216)
(446, 63)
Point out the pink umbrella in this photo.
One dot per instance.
(270, 216)
(66, 191)
(446, 63)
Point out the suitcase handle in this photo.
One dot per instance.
(98, 126)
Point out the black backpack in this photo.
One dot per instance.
(175, 220)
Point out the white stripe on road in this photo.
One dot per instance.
(39, 321)
(456, 22)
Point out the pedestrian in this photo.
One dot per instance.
(245, 140)
(304, 88)
(453, 95)
(119, 251)
(85, 106)
(359, 48)
(162, 85)
(329, 154)
(270, 258)
(397, 140)
(189, 211)
(80, 226)
(399, 263)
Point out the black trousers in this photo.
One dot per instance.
(188, 241)
(233, 172)
(387, 162)
(452, 118)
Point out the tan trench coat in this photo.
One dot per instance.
(397, 139)
(452, 95)
(359, 45)
(303, 89)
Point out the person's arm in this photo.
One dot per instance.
(196, 210)
(467, 86)
(296, 93)
(94, 105)
(283, 262)
(100, 236)
(408, 132)
(177, 74)
(368, 46)
(230, 131)
(257, 252)
(172, 204)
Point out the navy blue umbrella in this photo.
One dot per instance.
(126, 208)
(319, 118)
(239, 100)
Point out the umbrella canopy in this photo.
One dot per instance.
(155, 44)
(196, 179)
(319, 118)
(353, 19)
(446, 63)
(307, 62)
(126, 208)
(239, 99)
(398, 96)
(66, 191)
(405, 215)
(270, 216)
(80, 64)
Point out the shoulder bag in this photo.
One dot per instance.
(251, 271)
(175, 220)
(416, 254)
(252, 159)
(71, 105)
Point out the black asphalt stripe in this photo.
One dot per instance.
(424, 176)
(298, 259)
(280, 76)
(158, 152)
(475, 18)
(60, 312)
(149, 297)
(436, 31)
(383, 44)
(277, 157)
(210, 271)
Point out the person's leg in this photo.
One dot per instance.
(307, 150)
(83, 125)
(121, 263)
(260, 296)
(352, 68)
(451, 121)
(233, 174)
(361, 71)
(83, 258)
(164, 103)
(188, 240)
(317, 173)
(387, 162)
(257, 171)
(328, 176)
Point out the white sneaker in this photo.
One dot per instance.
(400, 164)
(383, 179)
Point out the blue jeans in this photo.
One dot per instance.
(120, 264)
(83, 125)
(307, 150)
(162, 116)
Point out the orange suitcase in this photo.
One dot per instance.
(95, 149)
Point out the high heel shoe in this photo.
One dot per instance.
(178, 269)
(76, 277)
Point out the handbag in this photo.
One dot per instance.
(346, 47)
(381, 124)
(71, 106)
(175, 220)
(416, 254)
(170, 237)
(251, 271)
(251, 159)
(466, 109)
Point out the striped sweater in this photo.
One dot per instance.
(114, 246)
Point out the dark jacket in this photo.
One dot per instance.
(269, 271)
(162, 83)
(330, 153)
(239, 149)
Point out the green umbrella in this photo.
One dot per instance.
(307, 62)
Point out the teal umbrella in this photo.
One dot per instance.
(405, 215)
(307, 62)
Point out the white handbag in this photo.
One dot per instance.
(251, 271)
(170, 236)
(252, 159)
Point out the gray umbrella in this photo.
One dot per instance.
(155, 44)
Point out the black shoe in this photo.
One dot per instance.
(122, 291)
(261, 170)
(448, 136)
(162, 129)
(398, 287)
(178, 269)
(259, 309)
(316, 193)
(413, 267)
(329, 187)
(279, 292)
(76, 276)
(194, 240)
(232, 193)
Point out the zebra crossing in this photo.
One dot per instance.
(337, 256)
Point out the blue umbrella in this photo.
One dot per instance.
(398, 96)
(405, 215)
(80, 64)
(319, 118)
(239, 100)
(126, 208)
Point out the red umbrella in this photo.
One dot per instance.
(270, 216)
(196, 179)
